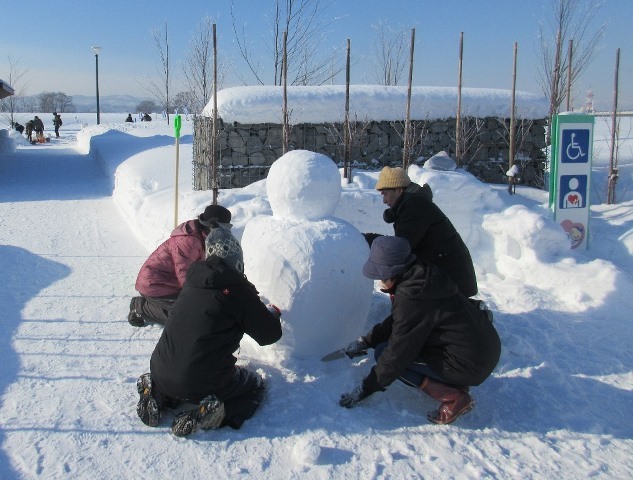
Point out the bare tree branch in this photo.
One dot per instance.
(307, 61)
(390, 54)
(574, 20)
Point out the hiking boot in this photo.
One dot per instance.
(208, 415)
(147, 407)
(455, 400)
(135, 319)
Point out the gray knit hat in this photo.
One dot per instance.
(221, 243)
(388, 257)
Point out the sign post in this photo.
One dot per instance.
(570, 175)
(177, 124)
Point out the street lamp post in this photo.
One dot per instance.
(97, 50)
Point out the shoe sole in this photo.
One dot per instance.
(147, 408)
(207, 416)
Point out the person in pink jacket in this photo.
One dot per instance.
(162, 276)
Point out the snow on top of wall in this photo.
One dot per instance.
(326, 104)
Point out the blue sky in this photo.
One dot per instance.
(54, 45)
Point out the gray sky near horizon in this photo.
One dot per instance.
(53, 47)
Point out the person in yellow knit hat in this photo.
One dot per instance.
(432, 236)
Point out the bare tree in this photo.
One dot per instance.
(569, 20)
(9, 105)
(390, 50)
(470, 128)
(307, 62)
(185, 102)
(146, 106)
(198, 66)
(159, 89)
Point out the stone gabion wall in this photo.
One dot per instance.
(245, 152)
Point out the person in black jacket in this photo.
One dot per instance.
(435, 339)
(430, 233)
(194, 360)
(57, 123)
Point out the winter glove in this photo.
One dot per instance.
(274, 310)
(351, 399)
(364, 390)
(356, 348)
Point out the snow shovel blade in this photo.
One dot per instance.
(335, 355)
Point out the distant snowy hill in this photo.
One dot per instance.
(107, 104)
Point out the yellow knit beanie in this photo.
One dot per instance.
(392, 178)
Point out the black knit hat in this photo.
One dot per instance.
(215, 214)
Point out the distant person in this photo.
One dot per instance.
(194, 359)
(29, 128)
(38, 125)
(432, 236)
(57, 122)
(18, 128)
(129, 118)
(163, 274)
(146, 117)
(434, 339)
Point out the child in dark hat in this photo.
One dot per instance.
(162, 276)
(435, 339)
(194, 359)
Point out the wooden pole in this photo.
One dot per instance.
(347, 171)
(511, 179)
(214, 131)
(407, 125)
(554, 90)
(613, 160)
(458, 115)
(284, 71)
(570, 54)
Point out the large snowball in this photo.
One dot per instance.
(312, 270)
(303, 184)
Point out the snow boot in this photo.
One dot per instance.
(208, 415)
(134, 318)
(455, 400)
(147, 407)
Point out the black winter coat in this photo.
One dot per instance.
(432, 236)
(431, 321)
(216, 307)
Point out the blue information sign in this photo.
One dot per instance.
(570, 175)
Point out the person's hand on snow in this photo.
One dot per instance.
(364, 390)
(357, 348)
(274, 309)
(351, 399)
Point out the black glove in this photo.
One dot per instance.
(364, 390)
(356, 348)
(351, 399)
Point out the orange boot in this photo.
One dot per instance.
(455, 400)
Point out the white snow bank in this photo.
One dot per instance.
(326, 104)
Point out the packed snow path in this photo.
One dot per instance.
(67, 268)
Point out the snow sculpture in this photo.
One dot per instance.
(305, 260)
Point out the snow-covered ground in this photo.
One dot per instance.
(79, 215)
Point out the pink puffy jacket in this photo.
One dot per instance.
(164, 272)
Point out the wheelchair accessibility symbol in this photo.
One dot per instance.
(575, 146)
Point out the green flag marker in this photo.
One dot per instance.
(177, 125)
